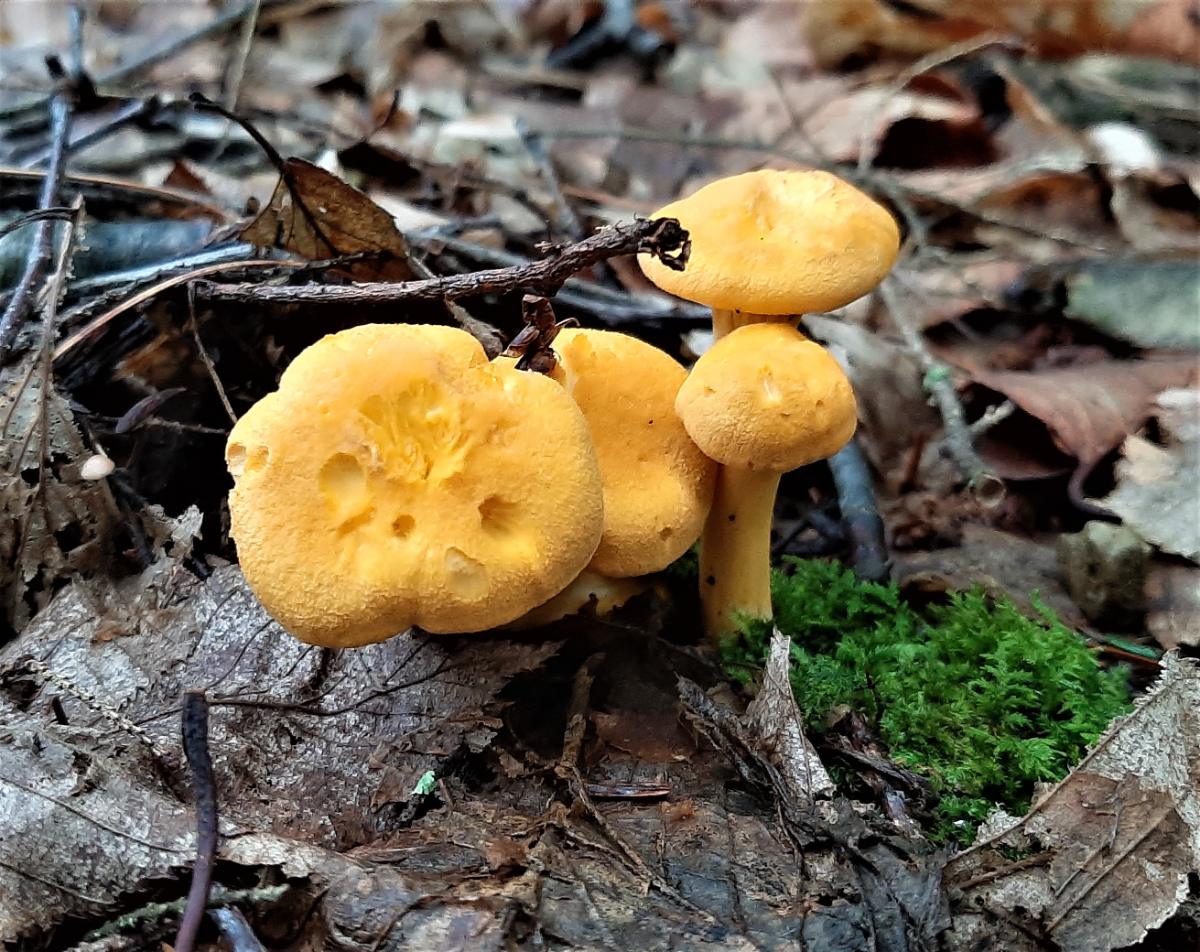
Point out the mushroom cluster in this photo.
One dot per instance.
(767, 247)
(399, 478)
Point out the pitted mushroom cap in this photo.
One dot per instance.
(658, 486)
(778, 242)
(765, 397)
(396, 478)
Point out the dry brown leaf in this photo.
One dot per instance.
(1156, 485)
(316, 215)
(1000, 562)
(53, 525)
(1173, 605)
(1108, 851)
(950, 291)
(1089, 410)
(840, 29)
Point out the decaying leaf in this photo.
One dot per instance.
(292, 731)
(318, 216)
(775, 719)
(1173, 605)
(839, 29)
(53, 523)
(1106, 855)
(1090, 409)
(1148, 303)
(1156, 489)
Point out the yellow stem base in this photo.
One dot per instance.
(735, 554)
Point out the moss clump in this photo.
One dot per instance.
(972, 694)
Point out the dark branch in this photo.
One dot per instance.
(41, 249)
(195, 747)
(662, 237)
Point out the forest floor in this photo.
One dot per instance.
(188, 199)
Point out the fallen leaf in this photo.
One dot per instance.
(1090, 409)
(1156, 487)
(1147, 303)
(1001, 563)
(774, 718)
(1173, 605)
(316, 215)
(842, 29)
(1107, 853)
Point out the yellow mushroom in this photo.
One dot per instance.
(763, 400)
(397, 478)
(658, 485)
(770, 244)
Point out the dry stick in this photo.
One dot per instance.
(987, 488)
(58, 213)
(236, 930)
(160, 54)
(860, 516)
(663, 237)
(41, 250)
(195, 747)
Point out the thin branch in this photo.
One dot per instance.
(987, 487)
(206, 358)
(41, 250)
(662, 237)
(195, 747)
(57, 213)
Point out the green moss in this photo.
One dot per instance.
(972, 694)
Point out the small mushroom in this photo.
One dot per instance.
(658, 485)
(397, 478)
(763, 400)
(768, 245)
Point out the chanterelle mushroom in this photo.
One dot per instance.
(658, 486)
(398, 478)
(766, 247)
(762, 401)
(771, 244)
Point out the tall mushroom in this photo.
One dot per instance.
(397, 478)
(767, 246)
(763, 400)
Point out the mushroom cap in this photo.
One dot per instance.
(765, 397)
(658, 486)
(396, 478)
(778, 242)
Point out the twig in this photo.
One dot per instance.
(153, 57)
(41, 250)
(662, 237)
(58, 213)
(206, 358)
(132, 111)
(856, 499)
(566, 221)
(195, 747)
(157, 911)
(986, 487)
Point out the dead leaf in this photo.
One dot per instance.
(1173, 605)
(1002, 563)
(775, 720)
(842, 29)
(1156, 486)
(1115, 841)
(54, 525)
(316, 215)
(1147, 303)
(1089, 410)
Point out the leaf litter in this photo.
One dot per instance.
(422, 788)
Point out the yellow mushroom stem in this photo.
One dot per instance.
(735, 551)
(726, 321)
